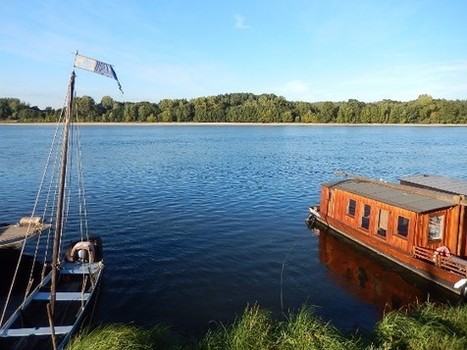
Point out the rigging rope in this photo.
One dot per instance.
(81, 196)
(50, 173)
(24, 243)
(81, 188)
(52, 150)
(53, 180)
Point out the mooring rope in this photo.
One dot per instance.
(282, 276)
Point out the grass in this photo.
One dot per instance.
(429, 326)
(119, 336)
(425, 326)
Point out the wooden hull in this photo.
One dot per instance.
(12, 236)
(427, 270)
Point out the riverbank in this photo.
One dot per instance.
(422, 327)
(238, 124)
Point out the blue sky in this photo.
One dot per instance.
(315, 50)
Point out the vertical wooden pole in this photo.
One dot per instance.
(61, 195)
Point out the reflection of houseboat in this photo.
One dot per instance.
(372, 278)
(420, 223)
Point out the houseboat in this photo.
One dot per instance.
(420, 223)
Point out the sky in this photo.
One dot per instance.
(304, 50)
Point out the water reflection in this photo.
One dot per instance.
(372, 278)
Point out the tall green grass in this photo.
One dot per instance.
(119, 337)
(429, 326)
(426, 326)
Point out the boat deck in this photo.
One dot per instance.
(30, 326)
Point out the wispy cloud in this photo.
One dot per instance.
(405, 82)
(297, 90)
(240, 22)
(175, 79)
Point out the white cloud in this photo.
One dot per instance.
(296, 90)
(240, 22)
(406, 82)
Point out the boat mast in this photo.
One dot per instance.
(61, 193)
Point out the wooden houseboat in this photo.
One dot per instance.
(420, 224)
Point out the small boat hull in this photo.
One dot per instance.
(76, 291)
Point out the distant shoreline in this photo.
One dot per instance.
(236, 124)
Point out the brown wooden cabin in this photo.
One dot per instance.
(421, 223)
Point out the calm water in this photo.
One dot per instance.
(199, 221)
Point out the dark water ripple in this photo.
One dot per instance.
(198, 221)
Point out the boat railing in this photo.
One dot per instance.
(447, 262)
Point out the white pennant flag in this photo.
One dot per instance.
(98, 67)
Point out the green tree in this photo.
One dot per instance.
(427, 109)
(167, 113)
(117, 113)
(107, 102)
(184, 111)
(5, 110)
(328, 113)
(86, 108)
(146, 111)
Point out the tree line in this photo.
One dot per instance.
(247, 108)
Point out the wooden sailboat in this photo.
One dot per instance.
(58, 299)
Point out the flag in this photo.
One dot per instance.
(98, 67)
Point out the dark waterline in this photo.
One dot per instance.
(198, 222)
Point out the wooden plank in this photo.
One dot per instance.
(63, 296)
(25, 332)
(74, 269)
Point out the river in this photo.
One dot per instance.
(200, 221)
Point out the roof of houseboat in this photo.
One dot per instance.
(394, 195)
(437, 182)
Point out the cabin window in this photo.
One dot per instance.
(436, 227)
(366, 216)
(351, 207)
(402, 226)
(382, 222)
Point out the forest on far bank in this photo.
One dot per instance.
(247, 108)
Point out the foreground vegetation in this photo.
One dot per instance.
(426, 326)
(248, 108)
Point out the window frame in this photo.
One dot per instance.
(439, 225)
(402, 233)
(351, 207)
(365, 218)
(380, 224)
